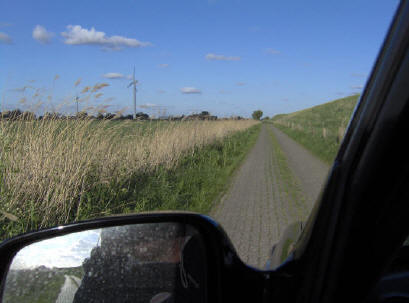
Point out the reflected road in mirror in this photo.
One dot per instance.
(152, 262)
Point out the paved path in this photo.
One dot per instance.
(257, 207)
(68, 289)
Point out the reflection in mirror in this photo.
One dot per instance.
(152, 262)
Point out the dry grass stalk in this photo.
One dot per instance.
(50, 164)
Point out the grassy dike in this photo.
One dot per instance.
(194, 184)
(323, 149)
(321, 128)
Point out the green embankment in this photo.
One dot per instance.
(194, 185)
(37, 285)
(320, 128)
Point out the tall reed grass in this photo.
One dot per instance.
(48, 166)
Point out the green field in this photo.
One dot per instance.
(38, 285)
(320, 128)
(192, 185)
(56, 172)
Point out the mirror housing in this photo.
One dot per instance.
(283, 249)
(228, 278)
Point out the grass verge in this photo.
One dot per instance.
(192, 185)
(289, 188)
(320, 147)
(320, 128)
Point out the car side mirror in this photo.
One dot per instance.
(162, 257)
(128, 263)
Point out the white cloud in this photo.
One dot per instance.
(5, 24)
(114, 76)
(164, 65)
(63, 251)
(222, 57)
(254, 29)
(222, 91)
(357, 87)
(359, 75)
(41, 34)
(4, 38)
(272, 51)
(76, 35)
(148, 105)
(21, 89)
(190, 90)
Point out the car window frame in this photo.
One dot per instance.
(318, 263)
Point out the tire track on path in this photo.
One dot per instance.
(260, 204)
(309, 171)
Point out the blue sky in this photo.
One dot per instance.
(229, 57)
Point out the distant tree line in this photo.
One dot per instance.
(204, 115)
(257, 114)
(18, 114)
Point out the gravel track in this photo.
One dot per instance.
(257, 207)
(68, 289)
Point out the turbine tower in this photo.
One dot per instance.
(133, 83)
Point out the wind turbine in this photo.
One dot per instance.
(133, 83)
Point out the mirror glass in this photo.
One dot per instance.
(153, 262)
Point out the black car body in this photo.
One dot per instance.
(350, 249)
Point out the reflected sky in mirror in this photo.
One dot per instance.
(63, 251)
(125, 263)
